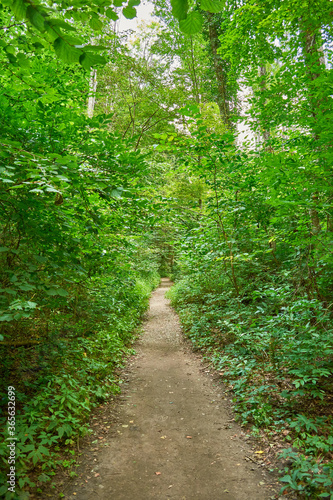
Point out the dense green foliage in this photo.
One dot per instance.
(76, 271)
(255, 259)
(121, 159)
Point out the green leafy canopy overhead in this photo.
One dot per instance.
(190, 22)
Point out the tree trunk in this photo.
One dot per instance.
(92, 93)
(265, 131)
(220, 73)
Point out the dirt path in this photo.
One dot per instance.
(174, 437)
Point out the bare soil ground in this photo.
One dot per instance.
(171, 435)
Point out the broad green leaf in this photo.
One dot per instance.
(111, 14)
(133, 3)
(27, 287)
(36, 18)
(213, 6)
(129, 12)
(10, 49)
(95, 48)
(3, 489)
(19, 8)
(6, 317)
(22, 60)
(88, 60)
(192, 24)
(66, 52)
(179, 9)
(95, 23)
(118, 3)
(40, 258)
(31, 305)
(4, 249)
(43, 450)
(61, 24)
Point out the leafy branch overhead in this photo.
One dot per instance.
(56, 26)
(191, 21)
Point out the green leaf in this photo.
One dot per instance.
(94, 48)
(129, 12)
(133, 3)
(61, 431)
(192, 24)
(95, 23)
(19, 8)
(61, 24)
(4, 249)
(179, 9)
(23, 61)
(65, 51)
(36, 18)
(56, 291)
(26, 287)
(6, 317)
(3, 490)
(212, 6)
(31, 305)
(42, 449)
(88, 59)
(118, 3)
(111, 14)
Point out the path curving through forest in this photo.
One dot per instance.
(174, 438)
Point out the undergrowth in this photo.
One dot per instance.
(274, 348)
(74, 368)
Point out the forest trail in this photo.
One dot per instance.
(174, 437)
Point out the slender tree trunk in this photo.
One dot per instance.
(220, 73)
(315, 64)
(265, 131)
(92, 93)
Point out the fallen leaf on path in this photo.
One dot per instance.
(125, 425)
(97, 474)
(188, 437)
(158, 473)
(260, 451)
(163, 437)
